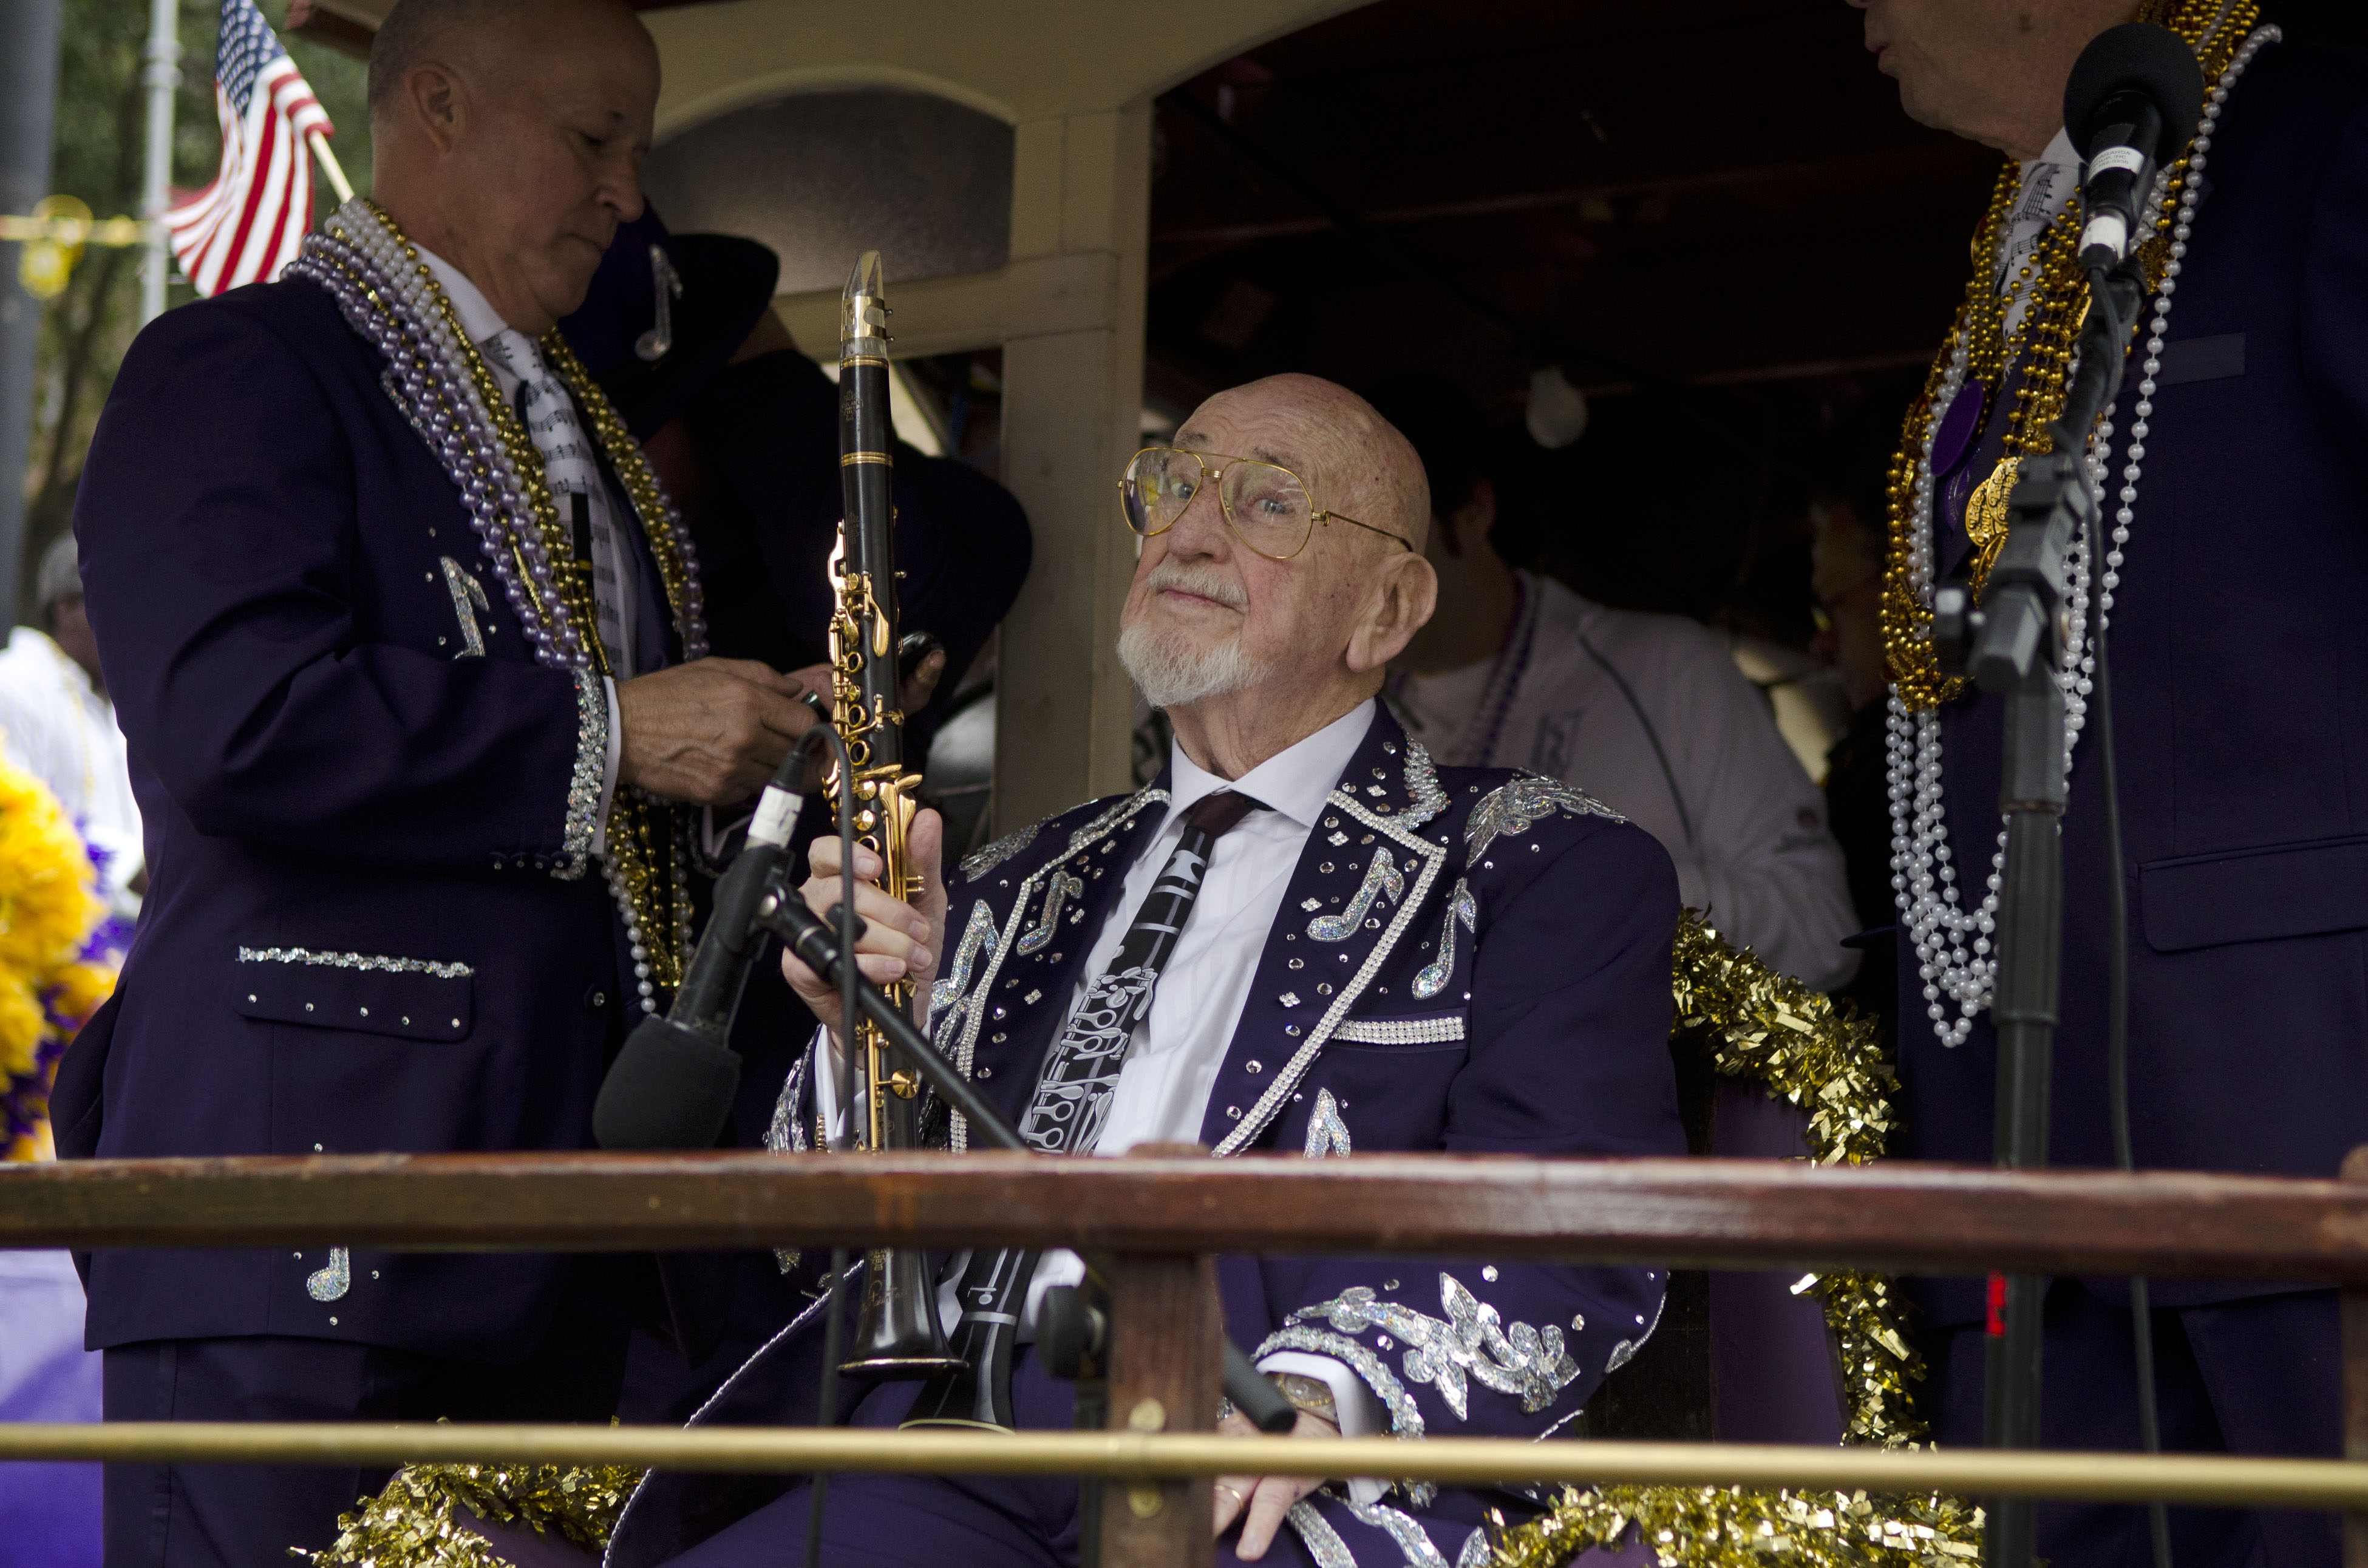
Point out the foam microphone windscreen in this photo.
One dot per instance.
(669, 1089)
(2135, 56)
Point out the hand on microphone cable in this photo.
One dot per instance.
(899, 940)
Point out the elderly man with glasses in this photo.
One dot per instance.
(1304, 939)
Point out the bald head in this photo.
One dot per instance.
(507, 137)
(1249, 655)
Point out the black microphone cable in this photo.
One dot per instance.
(2117, 970)
(835, 1314)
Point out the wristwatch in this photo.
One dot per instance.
(1313, 1395)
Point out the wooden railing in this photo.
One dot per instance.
(1160, 1217)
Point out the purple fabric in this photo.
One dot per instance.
(220, 1515)
(49, 1513)
(1770, 1368)
(2257, 1376)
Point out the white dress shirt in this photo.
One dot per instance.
(483, 323)
(1649, 714)
(1171, 1068)
(55, 725)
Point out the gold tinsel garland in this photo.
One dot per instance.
(1733, 1528)
(1828, 1061)
(416, 1522)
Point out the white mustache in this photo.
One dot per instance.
(1206, 582)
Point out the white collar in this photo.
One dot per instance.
(1294, 781)
(478, 317)
(2059, 151)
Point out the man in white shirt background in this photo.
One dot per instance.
(57, 723)
(1647, 712)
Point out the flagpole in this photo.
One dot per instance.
(164, 75)
(337, 181)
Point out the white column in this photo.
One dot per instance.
(162, 75)
(1072, 413)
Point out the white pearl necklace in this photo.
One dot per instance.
(1954, 947)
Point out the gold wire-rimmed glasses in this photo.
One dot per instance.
(1267, 505)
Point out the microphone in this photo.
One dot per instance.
(671, 1088)
(2133, 101)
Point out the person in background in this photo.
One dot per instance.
(1647, 712)
(57, 723)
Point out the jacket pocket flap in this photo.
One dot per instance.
(405, 999)
(2255, 895)
(1421, 1029)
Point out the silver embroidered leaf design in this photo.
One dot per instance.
(1432, 978)
(1422, 785)
(979, 862)
(1381, 876)
(1471, 1341)
(1512, 809)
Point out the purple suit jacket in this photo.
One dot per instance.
(2239, 651)
(268, 550)
(1502, 988)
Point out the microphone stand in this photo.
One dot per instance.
(2014, 645)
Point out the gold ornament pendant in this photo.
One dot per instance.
(1987, 514)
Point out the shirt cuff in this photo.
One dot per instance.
(609, 763)
(1361, 1411)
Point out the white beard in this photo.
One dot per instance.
(1170, 672)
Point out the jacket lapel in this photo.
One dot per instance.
(1027, 963)
(1363, 881)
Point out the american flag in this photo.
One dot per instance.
(247, 225)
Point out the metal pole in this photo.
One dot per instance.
(2214, 1479)
(162, 76)
(29, 103)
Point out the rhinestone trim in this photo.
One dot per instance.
(584, 784)
(1401, 1031)
(1322, 1542)
(1433, 976)
(1420, 1550)
(356, 960)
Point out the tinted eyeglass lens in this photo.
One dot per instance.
(1268, 507)
(1159, 486)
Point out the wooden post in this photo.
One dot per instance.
(2355, 1383)
(1165, 1375)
